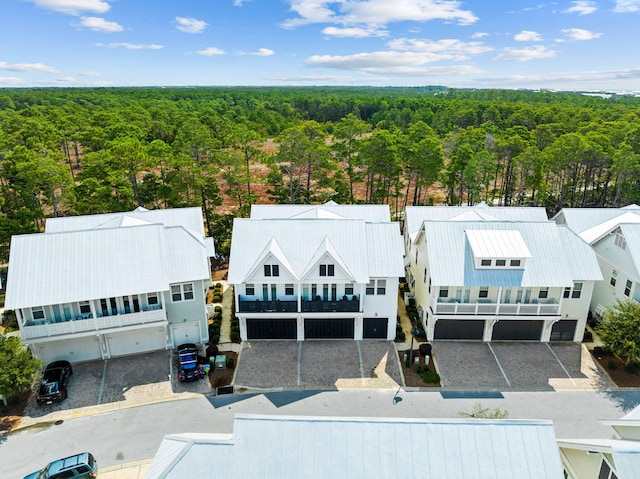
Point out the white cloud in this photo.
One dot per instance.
(11, 81)
(597, 77)
(479, 35)
(210, 51)
(100, 24)
(263, 52)
(190, 25)
(73, 7)
(536, 52)
(377, 12)
(88, 73)
(131, 46)
(626, 6)
(67, 80)
(581, 7)
(453, 48)
(580, 34)
(354, 32)
(27, 67)
(528, 36)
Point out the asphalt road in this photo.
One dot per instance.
(135, 434)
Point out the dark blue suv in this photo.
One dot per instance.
(188, 367)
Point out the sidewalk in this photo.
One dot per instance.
(133, 470)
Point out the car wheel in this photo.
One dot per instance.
(64, 396)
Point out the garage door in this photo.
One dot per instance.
(73, 350)
(375, 328)
(459, 329)
(564, 330)
(185, 333)
(272, 328)
(133, 342)
(328, 328)
(525, 330)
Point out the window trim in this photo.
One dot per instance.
(627, 288)
(250, 287)
(381, 287)
(182, 292)
(289, 287)
(486, 263)
(370, 288)
(37, 309)
(483, 292)
(614, 278)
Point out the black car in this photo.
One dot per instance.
(55, 379)
(188, 367)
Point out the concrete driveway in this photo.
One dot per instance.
(517, 366)
(317, 365)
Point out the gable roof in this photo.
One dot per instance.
(416, 215)
(581, 220)
(631, 233)
(126, 258)
(265, 447)
(452, 264)
(330, 210)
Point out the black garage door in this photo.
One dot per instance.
(375, 328)
(459, 329)
(564, 330)
(513, 330)
(328, 328)
(272, 328)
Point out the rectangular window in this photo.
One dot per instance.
(416, 256)
(577, 290)
(444, 293)
(267, 270)
(271, 270)
(323, 270)
(187, 289)
(382, 287)
(566, 293)
(37, 312)
(176, 293)
(543, 293)
(514, 263)
(182, 292)
(620, 241)
(325, 292)
(429, 285)
(288, 290)
(425, 279)
(627, 288)
(483, 293)
(331, 270)
(371, 287)
(501, 262)
(614, 275)
(348, 289)
(485, 262)
(249, 289)
(84, 307)
(152, 298)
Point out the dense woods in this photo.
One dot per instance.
(85, 151)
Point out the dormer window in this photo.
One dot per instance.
(497, 249)
(514, 263)
(485, 262)
(501, 263)
(327, 270)
(620, 241)
(271, 270)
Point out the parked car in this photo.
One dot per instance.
(79, 466)
(54, 383)
(188, 367)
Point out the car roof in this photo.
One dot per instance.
(58, 364)
(68, 462)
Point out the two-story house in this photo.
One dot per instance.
(614, 235)
(316, 272)
(107, 285)
(489, 279)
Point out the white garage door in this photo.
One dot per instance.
(186, 333)
(133, 342)
(73, 350)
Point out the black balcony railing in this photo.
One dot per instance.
(259, 306)
(343, 305)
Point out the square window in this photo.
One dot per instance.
(288, 290)
(348, 289)
(501, 262)
(84, 307)
(323, 270)
(37, 312)
(444, 293)
(483, 293)
(543, 293)
(371, 287)
(152, 298)
(382, 287)
(485, 262)
(249, 289)
(514, 263)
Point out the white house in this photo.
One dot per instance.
(106, 285)
(484, 278)
(283, 447)
(316, 272)
(615, 458)
(614, 235)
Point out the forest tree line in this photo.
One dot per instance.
(87, 151)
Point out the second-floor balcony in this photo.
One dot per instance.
(308, 306)
(41, 329)
(548, 308)
(259, 306)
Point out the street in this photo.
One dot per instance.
(135, 434)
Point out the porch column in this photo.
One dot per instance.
(300, 327)
(358, 327)
(488, 329)
(20, 318)
(431, 326)
(546, 329)
(299, 297)
(243, 326)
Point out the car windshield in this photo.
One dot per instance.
(190, 365)
(49, 388)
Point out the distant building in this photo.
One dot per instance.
(107, 285)
(316, 272)
(266, 447)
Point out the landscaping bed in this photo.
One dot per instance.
(623, 376)
(223, 377)
(412, 376)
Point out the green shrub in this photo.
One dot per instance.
(218, 286)
(430, 377)
(588, 336)
(217, 298)
(218, 309)
(214, 338)
(611, 365)
(217, 316)
(400, 336)
(235, 335)
(230, 363)
(632, 368)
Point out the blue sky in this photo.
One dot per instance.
(565, 45)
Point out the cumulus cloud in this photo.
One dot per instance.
(210, 51)
(354, 32)
(580, 34)
(73, 7)
(11, 81)
(190, 25)
(451, 48)
(597, 77)
(581, 7)
(528, 36)
(525, 54)
(100, 25)
(626, 6)
(131, 46)
(377, 12)
(27, 67)
(480, 35)
(262, 52)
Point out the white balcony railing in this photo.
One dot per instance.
(499, 309)
(92, 324)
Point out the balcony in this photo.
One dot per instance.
(47, 329)
(499, 309)
(343, 305)
(316, 306)
(258, 306)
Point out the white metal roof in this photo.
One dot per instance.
(597, 232)
(364, 250)
(583, 219)
(282, 447)
(497, 244)
(330, 210)
(415, 215)
(451, 262)
(55, 268)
